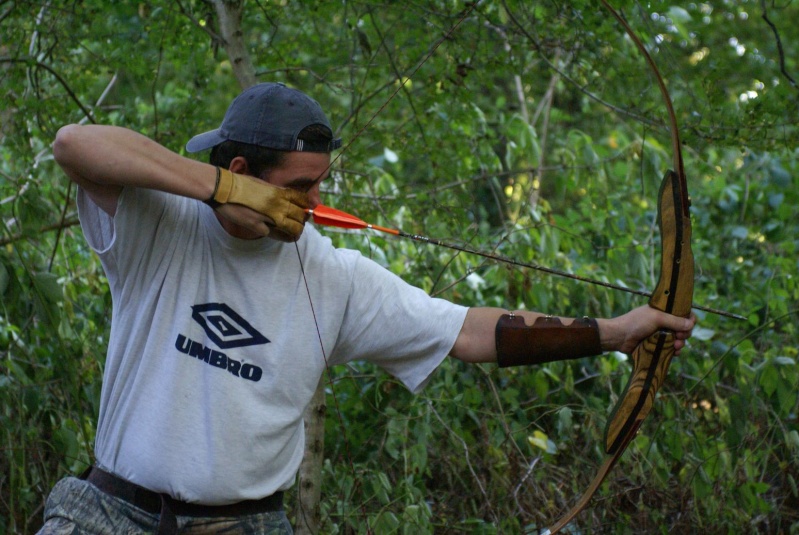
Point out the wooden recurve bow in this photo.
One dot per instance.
(673, 294)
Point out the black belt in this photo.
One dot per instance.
(168, 508)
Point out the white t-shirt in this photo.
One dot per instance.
(214, 352)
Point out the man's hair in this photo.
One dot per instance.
(261, 160)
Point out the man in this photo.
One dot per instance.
(213, 353)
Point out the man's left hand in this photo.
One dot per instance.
(625, 332)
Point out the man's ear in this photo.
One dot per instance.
(239, 166)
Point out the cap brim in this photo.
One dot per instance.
(204, 141)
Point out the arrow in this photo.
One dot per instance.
(324, 215)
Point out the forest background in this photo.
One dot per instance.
(530, 129)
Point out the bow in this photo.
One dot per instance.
(673, 294)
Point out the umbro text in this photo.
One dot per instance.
(218, 359)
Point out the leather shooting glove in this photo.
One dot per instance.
(284, 208)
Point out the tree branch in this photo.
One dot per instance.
(581, 88)
(780, 50)
(215, 37)
(72, 95)
(66, 223)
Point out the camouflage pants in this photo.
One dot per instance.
(77, 507)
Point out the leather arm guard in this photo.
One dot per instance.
(547, 340)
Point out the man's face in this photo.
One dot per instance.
(303, 171)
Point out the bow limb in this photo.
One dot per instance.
(673, 294)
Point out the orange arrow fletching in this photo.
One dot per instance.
(324, 215)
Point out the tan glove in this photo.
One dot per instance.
(284, 207)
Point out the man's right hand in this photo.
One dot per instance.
(278, 209)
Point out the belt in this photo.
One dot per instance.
(168, 508)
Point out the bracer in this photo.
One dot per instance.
(547, 340)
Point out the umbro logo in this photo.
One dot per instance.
(225, 327)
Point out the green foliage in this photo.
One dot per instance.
(542, 141)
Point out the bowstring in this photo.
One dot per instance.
(347, 453)
(403, 82)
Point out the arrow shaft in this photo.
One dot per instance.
(544, 269)
(324, 216)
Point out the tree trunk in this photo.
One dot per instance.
(309, 486)
(230, 13)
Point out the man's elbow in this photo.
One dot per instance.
(472, 351)
(64, 144)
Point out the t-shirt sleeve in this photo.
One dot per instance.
(97, 226)
(102, 231)
(396, 325)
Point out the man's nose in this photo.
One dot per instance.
(314, 197)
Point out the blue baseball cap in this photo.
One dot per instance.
(269, 115)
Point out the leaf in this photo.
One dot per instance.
(4, 278)
(724, 409)
(769, 379)
(739, 232)
(776, 199)
(701, 485)
(363, 40)
(541, 384)
(381, 487)
(568, 382)
(700, 333)
(540, 440)
(66, 440)
(47, 287)
(47, 294)
(565, 421)
(679, 14)
(386, 522)
(779, 176)
(792, 440)
(390, 156)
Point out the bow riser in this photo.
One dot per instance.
(675, 288)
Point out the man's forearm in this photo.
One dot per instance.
(100, 158)
(477, 339)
